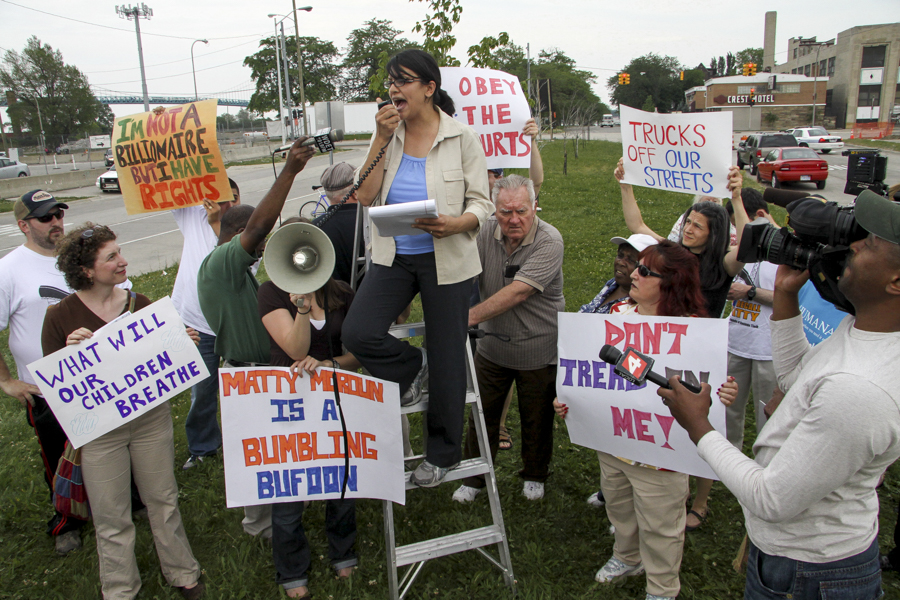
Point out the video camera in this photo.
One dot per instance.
(818, 238)
(866, 170)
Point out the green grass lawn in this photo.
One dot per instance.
(557, 544)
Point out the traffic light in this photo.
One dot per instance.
(627, 78)
(752, 68)
(681, 77)
(621, 79)
(750, 98)
(746, 71)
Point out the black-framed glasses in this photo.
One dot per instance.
(399, 82)
(644, 271)
(59, 214)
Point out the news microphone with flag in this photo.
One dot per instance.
(323, 139)
(636, 368)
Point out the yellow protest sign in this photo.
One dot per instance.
(169, 158)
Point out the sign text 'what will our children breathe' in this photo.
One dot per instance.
(125, 370)
(688, 152)
(283, 440)
(169, 158)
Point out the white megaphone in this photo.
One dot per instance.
(299, 258)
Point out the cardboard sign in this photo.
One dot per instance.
(613, 415)
(688, 153)
(492, 103)
(171, 159)
(128, 368)
(282, 439)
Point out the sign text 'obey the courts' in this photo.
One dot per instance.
(125, 370)
(492, 103)
(283, 442)
(613, 415)
(169, 158)
(688, 153)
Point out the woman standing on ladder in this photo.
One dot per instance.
(426, 154)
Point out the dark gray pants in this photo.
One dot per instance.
(384, 293)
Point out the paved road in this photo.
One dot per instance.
(152, 241)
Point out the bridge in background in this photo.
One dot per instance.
(157, 100)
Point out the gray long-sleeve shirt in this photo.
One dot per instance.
(810, 493)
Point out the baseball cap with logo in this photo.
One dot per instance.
(876, 214)
(35, 203)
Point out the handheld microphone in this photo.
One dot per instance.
(636, 367)
(323, 139)
(382, 104)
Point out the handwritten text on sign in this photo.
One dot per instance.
(283, 442)
(492, 103)
(128, 368)
(687, 153)
(610, 414)
(170, 160)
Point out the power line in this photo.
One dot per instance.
(171, 62)
(170, 76)
(175, 37)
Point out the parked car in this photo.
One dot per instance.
(108, 158)
(109, 181)
(606, 121)
(12, 168)
(817, 138)
(792, 164)
(752, 151)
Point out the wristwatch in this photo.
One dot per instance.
(751, 293)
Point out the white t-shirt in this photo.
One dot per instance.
(748, 325)
(199, 240)
(29, 283)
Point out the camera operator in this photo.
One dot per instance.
(809, 497)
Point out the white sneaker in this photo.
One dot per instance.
(596, 500)
(465, 494)
(615, 568)
(533, 490)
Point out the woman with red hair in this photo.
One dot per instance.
(644, 503)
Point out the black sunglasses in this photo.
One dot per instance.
(50, 216)
(644, 271)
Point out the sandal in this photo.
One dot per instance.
(506, 441)
(700, 518)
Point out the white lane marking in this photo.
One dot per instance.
(148, 237)
(837, 167)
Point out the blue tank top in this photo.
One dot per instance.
(409, 186)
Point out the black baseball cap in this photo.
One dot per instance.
(35, 203)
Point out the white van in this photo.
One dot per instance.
(607, 121)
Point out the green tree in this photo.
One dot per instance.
(437, 29)
(651, 75)
(749, 55)
(649, 106)
(320, 72)
(68, 107)
(571, 96)
(361, 59)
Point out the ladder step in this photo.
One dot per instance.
(467, 468)
(422, 405)
(449, 544)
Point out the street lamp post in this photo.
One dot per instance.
(300, 61)
(287, 81)
(278, 71)
(43, 140)
(138, 12)
(194, 70)
(818, 45)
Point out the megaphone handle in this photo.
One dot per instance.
(335, 207)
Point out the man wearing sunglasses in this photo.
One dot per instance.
(29, 283)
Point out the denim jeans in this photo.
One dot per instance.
(775, 577)
(202, 426)
(290, 548)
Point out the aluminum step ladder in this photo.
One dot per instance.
(415, 555)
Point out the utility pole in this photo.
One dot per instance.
(278, 70)
(809, 43)
(138, 12)
(287, 82)
(528, 68)
(300, 62)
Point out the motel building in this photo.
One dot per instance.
(779, 100)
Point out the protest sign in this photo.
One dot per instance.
(688, 152)
(615, 416)
(128, 368)
(282, 439)
(170, 159)
(492, 103)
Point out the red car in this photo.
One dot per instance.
(792, 164)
